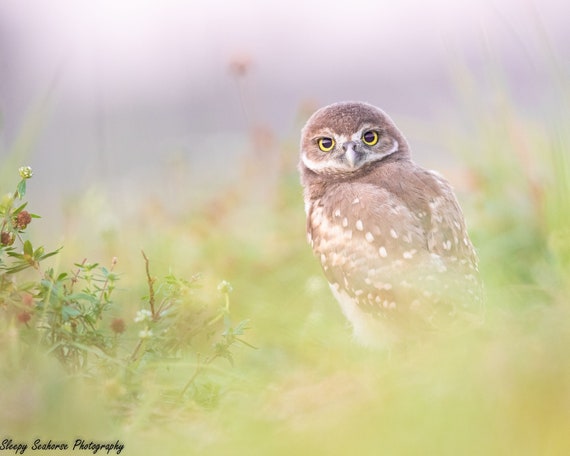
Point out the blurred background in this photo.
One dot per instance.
(127, 92)
(173, 126)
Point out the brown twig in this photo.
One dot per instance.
(151, 298)
(150, 282)
(136, 350)
(75, 277)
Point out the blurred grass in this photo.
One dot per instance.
(308, 389)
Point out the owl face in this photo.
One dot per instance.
(344, 137)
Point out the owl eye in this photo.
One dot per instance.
(326, 144)
(370, 137)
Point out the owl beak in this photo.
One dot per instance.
(351, 155)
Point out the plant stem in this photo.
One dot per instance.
(106, 283)
(150, 282)
(75, 277)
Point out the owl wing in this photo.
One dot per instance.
(392, 249)
(448, 241)
(446, 233)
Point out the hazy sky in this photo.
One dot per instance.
(128, 81)
(144, 49)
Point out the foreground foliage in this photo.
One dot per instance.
(68, 315)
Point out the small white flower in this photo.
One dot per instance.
(26, 172)
(225, 287)
(143, 315)
(145, 333)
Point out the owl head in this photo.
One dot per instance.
(345, 138)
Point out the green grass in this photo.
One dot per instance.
(306, 388)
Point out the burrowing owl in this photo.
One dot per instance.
(390, 235)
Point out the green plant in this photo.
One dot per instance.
(70, 309)
(17, 253)
(73, 315)
(15, 219)
(175, 325)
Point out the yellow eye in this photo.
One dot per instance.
(370, 137)
(326, 144)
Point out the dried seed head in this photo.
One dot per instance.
(27, 299)
(240, 65)
(23, 219)
(24, 317)
(118, 326)
(7, 238)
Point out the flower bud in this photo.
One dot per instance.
(26, 172)
(225, 287)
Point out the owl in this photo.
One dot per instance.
(390, 235)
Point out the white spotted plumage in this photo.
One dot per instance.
(390, 234)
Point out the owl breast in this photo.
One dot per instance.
(394, 266)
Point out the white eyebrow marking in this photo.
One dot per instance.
(316, 166)
(394, 148)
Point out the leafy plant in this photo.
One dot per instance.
(70, 314)
(15, 219)
(71, 308)
(175, 325)
(17, 253)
